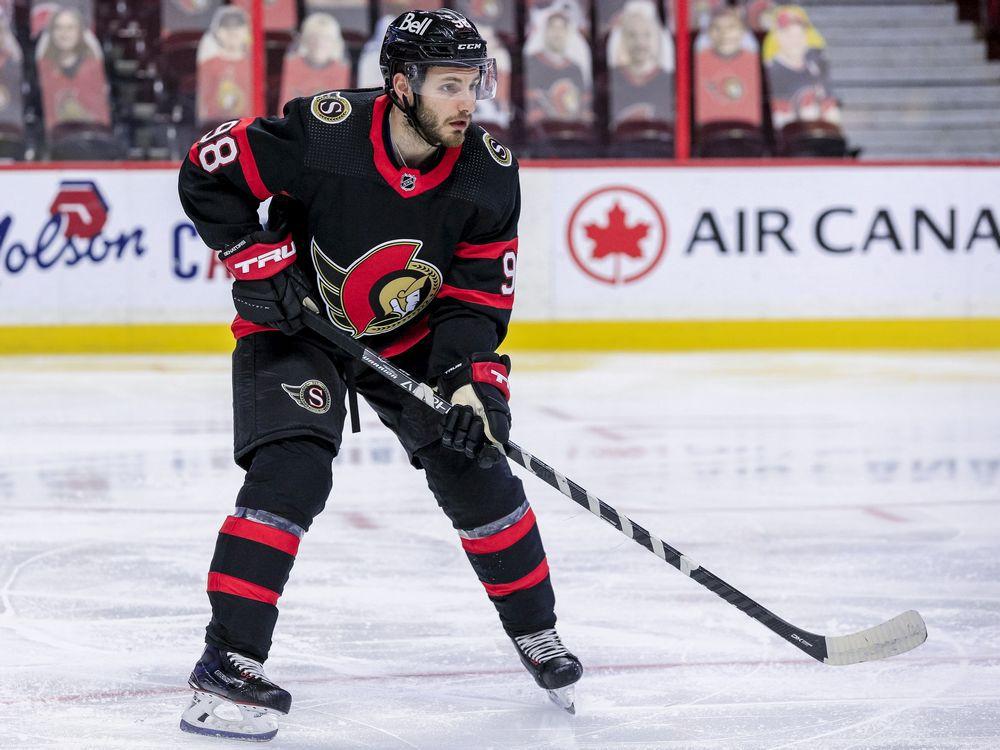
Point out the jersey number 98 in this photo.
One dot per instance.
(220, 152)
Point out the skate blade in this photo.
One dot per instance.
(214, 716)
(564, 698)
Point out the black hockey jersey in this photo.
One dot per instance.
(397, 254)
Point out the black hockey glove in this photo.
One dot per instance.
(268, 284)
(478, 423)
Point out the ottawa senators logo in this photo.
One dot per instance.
(312, 395)
(500, 153)
(382, 290)
(330, 108)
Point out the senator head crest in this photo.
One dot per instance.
(382, 290)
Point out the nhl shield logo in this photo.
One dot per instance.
(408, 181)
(382, 290)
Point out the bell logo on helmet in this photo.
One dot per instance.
(413, 25)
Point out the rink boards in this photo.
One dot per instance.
(612, 255)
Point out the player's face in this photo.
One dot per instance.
(447, 101)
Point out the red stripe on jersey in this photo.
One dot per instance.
(501, 301)
(247, 163)
(492, 373)
(394, 176)
(262, 533)
(241, 328)
(412, 336)
(238, 587)
(502, 539)
(489, 251)
(533, 578)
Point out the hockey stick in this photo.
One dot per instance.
(895, 636)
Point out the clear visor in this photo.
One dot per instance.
(454, 80)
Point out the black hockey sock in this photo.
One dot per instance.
(253, 557)
(509, 559)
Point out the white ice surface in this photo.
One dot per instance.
(837, 490)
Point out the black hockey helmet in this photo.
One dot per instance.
(418, 40)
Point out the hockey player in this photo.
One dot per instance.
(398, 216)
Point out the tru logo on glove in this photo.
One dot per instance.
(259, 261)
(274, 256)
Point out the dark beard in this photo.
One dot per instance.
(429, 128)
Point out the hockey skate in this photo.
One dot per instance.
(233, 698)
(554, 668)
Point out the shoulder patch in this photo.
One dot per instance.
(500, 153)
(330, 108)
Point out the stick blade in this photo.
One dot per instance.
(896, 636)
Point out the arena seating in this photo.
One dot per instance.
(893, 79)
(558, 79)
(73, 88)
(12, 136)
(224, 82)
(640, 82)
(728, 100)
(318, 61)
(805, 113)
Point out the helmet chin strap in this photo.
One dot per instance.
(410, 112)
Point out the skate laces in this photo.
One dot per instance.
(247, 666)
(541, 646)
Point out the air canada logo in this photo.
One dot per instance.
(500, 153)
(330, 108)
(617, 235)
(312, 395)
(384, 289)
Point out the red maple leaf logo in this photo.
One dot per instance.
(616, 237)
